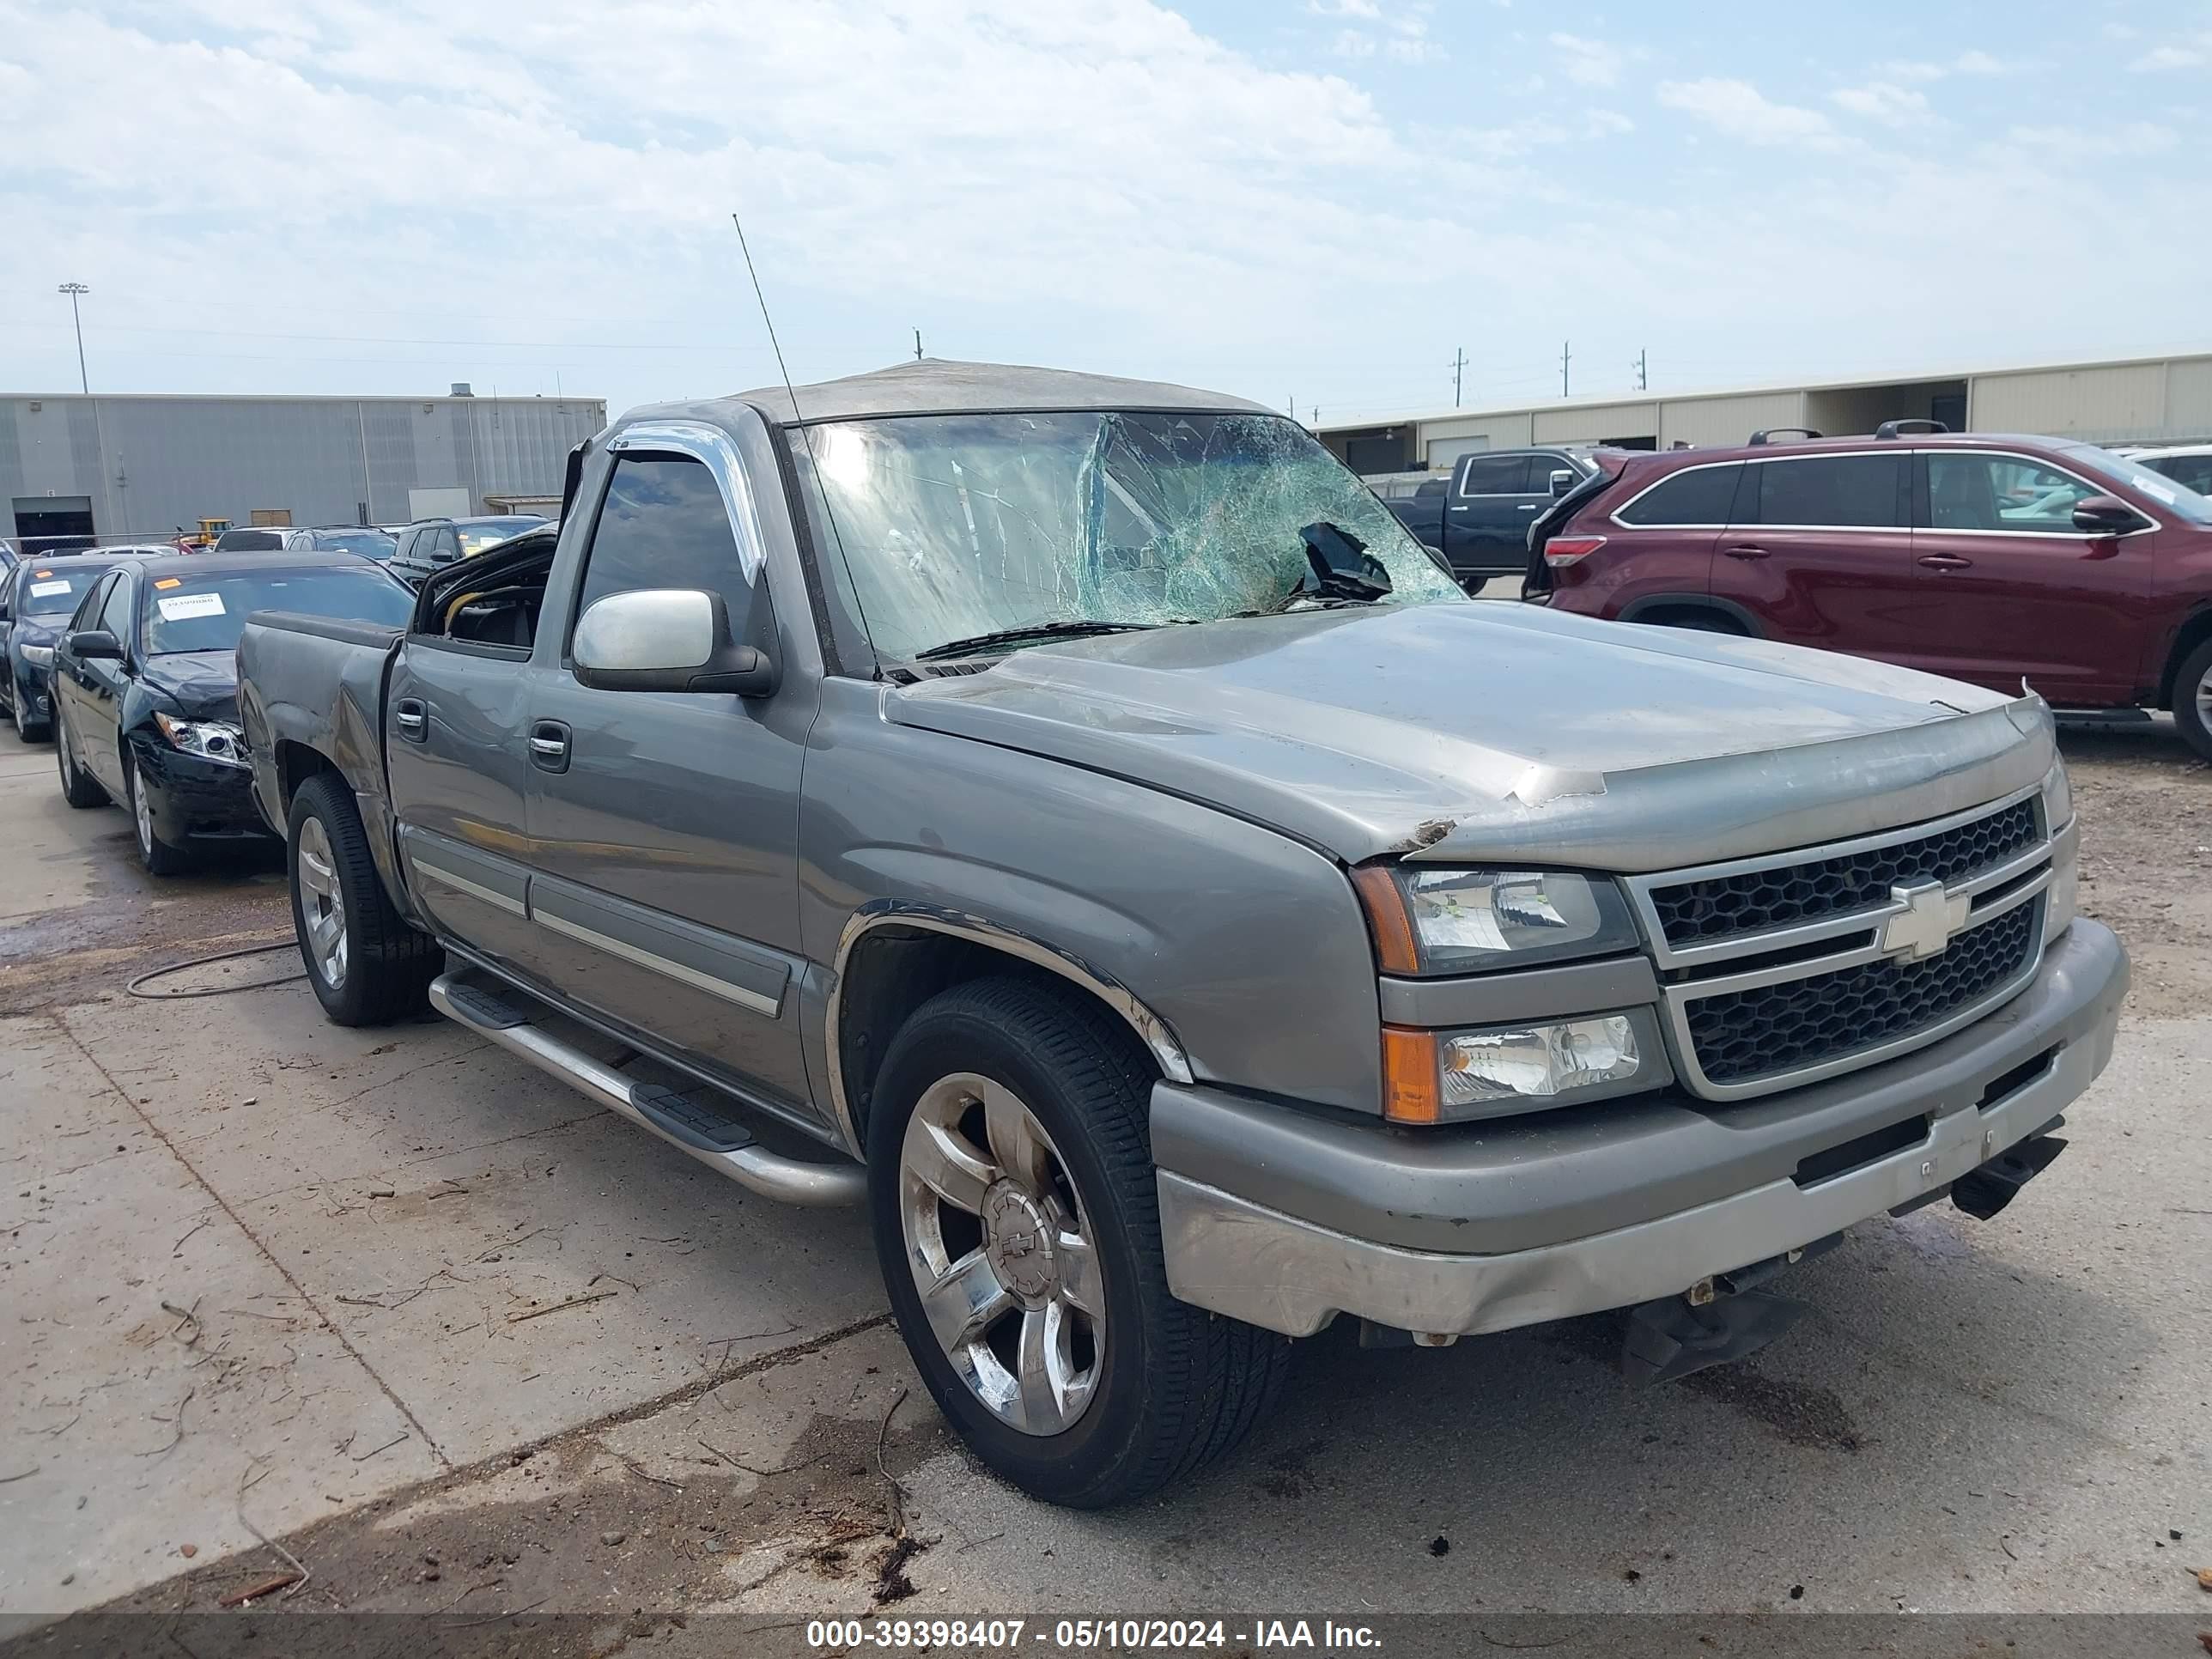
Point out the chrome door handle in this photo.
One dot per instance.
(1946, 561)
(411, 717)
(1745, 552)
(549, 745)
(1528, 507)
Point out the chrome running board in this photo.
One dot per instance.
(706, 1128)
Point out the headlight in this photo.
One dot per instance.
(2057, 798)
(1471, 921)
(215, 740)
(38, 656)
(1448, 1076)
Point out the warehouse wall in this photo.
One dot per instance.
(151, 464)
(2189, 399)
(1706, 422)
(1443, 442)
(1589, 424)
(2123, 400)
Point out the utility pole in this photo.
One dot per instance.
(1566, 356)
(1459, 367)
(73, 289)
(1643, 363)
(917, 345)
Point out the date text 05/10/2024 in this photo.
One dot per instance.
(1090, 1634)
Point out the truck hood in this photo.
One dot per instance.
(1491, 730)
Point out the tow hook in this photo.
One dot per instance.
(1981, 1193)
(1716, 1320)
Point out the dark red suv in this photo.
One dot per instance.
(1992, 559)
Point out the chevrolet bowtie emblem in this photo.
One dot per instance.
(1926, 923)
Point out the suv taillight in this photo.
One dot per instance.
(1566, 549)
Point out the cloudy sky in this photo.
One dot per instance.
(1311, 199)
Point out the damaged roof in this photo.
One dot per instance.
(937, 386)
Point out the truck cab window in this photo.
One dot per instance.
(663, 525)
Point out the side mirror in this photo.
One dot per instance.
(95, 643)
(1562, 482)
(666, 639)
(2105, 516)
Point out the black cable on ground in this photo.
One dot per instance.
(132, 989)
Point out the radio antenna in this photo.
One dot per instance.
(805, 433)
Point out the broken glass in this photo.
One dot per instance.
(955, 526)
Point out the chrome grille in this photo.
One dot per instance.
(1720, 907)
(1780, 970)
(1793, 1024)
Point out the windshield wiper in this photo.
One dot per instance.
(980, 643)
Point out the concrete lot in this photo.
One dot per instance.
(452, 1338)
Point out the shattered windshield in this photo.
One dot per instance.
(957, 526)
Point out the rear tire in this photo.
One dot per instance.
(1140, 1389)
(160, 856)
(366, 965)
(2192, 700)
(78, 787)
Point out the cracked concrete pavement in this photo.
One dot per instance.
(449, 1337)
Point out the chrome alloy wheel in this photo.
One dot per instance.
(142, 815)
(322, 903)
(2204, 700)
(1000, 1252)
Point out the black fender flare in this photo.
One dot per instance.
(1637, 610)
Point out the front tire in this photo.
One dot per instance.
(2192, 701)
(1016, 1221)
(78, 787)
(366, 965)
(161, 858)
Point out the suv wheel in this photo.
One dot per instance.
(366, 965)
(1016, 1221)
(160, 856)
(78, 788)
(2192, 700)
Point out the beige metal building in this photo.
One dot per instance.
(2163, 400)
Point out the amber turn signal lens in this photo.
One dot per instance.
(1379, 896)
(1410, 1094)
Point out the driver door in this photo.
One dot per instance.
(663, 825)
(2011, 590)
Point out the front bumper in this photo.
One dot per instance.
(1577, 1211)
(190, 798)
(30, 693)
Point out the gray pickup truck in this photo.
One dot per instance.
(1072, 817)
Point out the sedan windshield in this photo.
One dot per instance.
(956, 527)
(45, 593)
(369, 543)
(2180, 498)
(486, 533)
(208, 613)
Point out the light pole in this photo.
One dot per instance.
(73, 289)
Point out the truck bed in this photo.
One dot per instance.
(313, 687)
